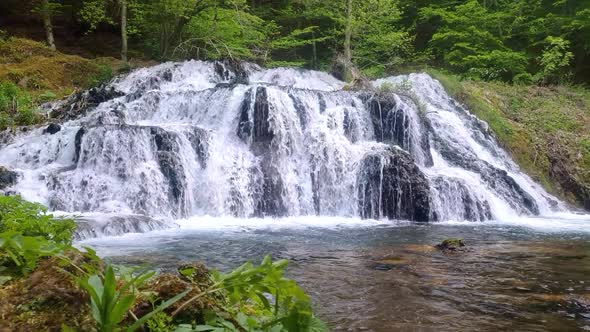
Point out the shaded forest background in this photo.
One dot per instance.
(520, 41)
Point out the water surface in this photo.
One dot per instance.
(531, 275)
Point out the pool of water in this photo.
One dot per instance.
(525, 275)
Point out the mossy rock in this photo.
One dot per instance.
(451, 245)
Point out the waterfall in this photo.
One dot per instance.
(212, 138)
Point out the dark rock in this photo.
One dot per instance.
(563, 172)
(254, 126)
(469, 207)
(392, 186)
(199, 139)
(52, 129)
(7, 178)
(497, 179)
(270, 200)
(451, 245)
(170, 164)
(78, 144)
(391, 124)
(231, 71)
(81, 102)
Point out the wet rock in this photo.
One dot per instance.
(87, 228)
(269, 201)
(78, 143)
(497, 179)
(8, 178)
(565, 174)
(232, 71)
(199, 139)
(81, 102)
(392, 186)
(451, 245)
(52, 129)
(170, 164)
(392, 124)
(254, 126)
(460, 203)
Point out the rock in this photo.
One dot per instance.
(451, 245)
(392, 124)
(392, 186)
(78, 143)
(81, 102)
(52, 129)
(254, 126)
(231, 71)
(8, 178)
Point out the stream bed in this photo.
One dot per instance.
(527, 275)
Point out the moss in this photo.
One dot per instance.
(451, 245)
(45, 299)
(38, 69)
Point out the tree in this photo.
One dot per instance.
(46, 9)
(95, 12)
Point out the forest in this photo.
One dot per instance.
(524, 42)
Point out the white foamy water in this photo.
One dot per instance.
(218, 146)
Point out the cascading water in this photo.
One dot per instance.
(196, 138)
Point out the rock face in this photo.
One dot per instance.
(7, 178)
(392, 186)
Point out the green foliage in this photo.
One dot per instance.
(260, 299)
(112, 297)
(21, 253)
(103, 75)
(32, 220)
(17, 107)
(555, 60)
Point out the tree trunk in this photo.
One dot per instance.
(46, 12)
(348, 32)
(314, 60)
(124, 30)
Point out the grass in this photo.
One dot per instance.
(537, 125)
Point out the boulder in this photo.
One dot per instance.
(52, 129)
(392, 186)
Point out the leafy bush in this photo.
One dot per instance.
(112, 297)
(32, 220)
(23, 252)
(16, 106)
(260, 299)
(103, 75)
(523, 79)
(555, 60)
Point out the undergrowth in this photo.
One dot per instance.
(46, 284)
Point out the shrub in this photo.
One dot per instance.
(103, 75)
(16, 106)
(523, 79)
(32, 219)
